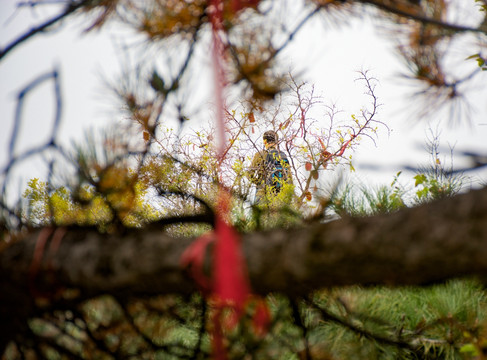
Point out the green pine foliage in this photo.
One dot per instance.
(447, 321)
(434, 322)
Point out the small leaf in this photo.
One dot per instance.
(285, 124)
(422, 193)
(420, 179)
(469, 349)
(315, 174)
(474, 56)
(307, 166)
(146, 136)
(326, 155)
(251, 117)
(157, 83)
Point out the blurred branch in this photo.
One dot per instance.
(140, 331)
(477, 160)
(299, 321)
(327, 315)
(396, 10)
(70, 8)
(52, 144)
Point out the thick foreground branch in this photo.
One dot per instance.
(419, 245)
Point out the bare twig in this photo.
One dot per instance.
(71, 8)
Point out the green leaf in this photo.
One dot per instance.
(480, 60)
(157, 83)
(474, 56)
(420, 179)
(394, 181)
(422, 193)
(469, 349)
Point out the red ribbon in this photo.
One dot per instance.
(228, 287)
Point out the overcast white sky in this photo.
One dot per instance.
(335, 57)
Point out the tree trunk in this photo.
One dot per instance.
(414, 246)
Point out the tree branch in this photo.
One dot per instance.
(414, 246)
(387, 7)
(71, 8)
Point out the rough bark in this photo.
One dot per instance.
(414, 246)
